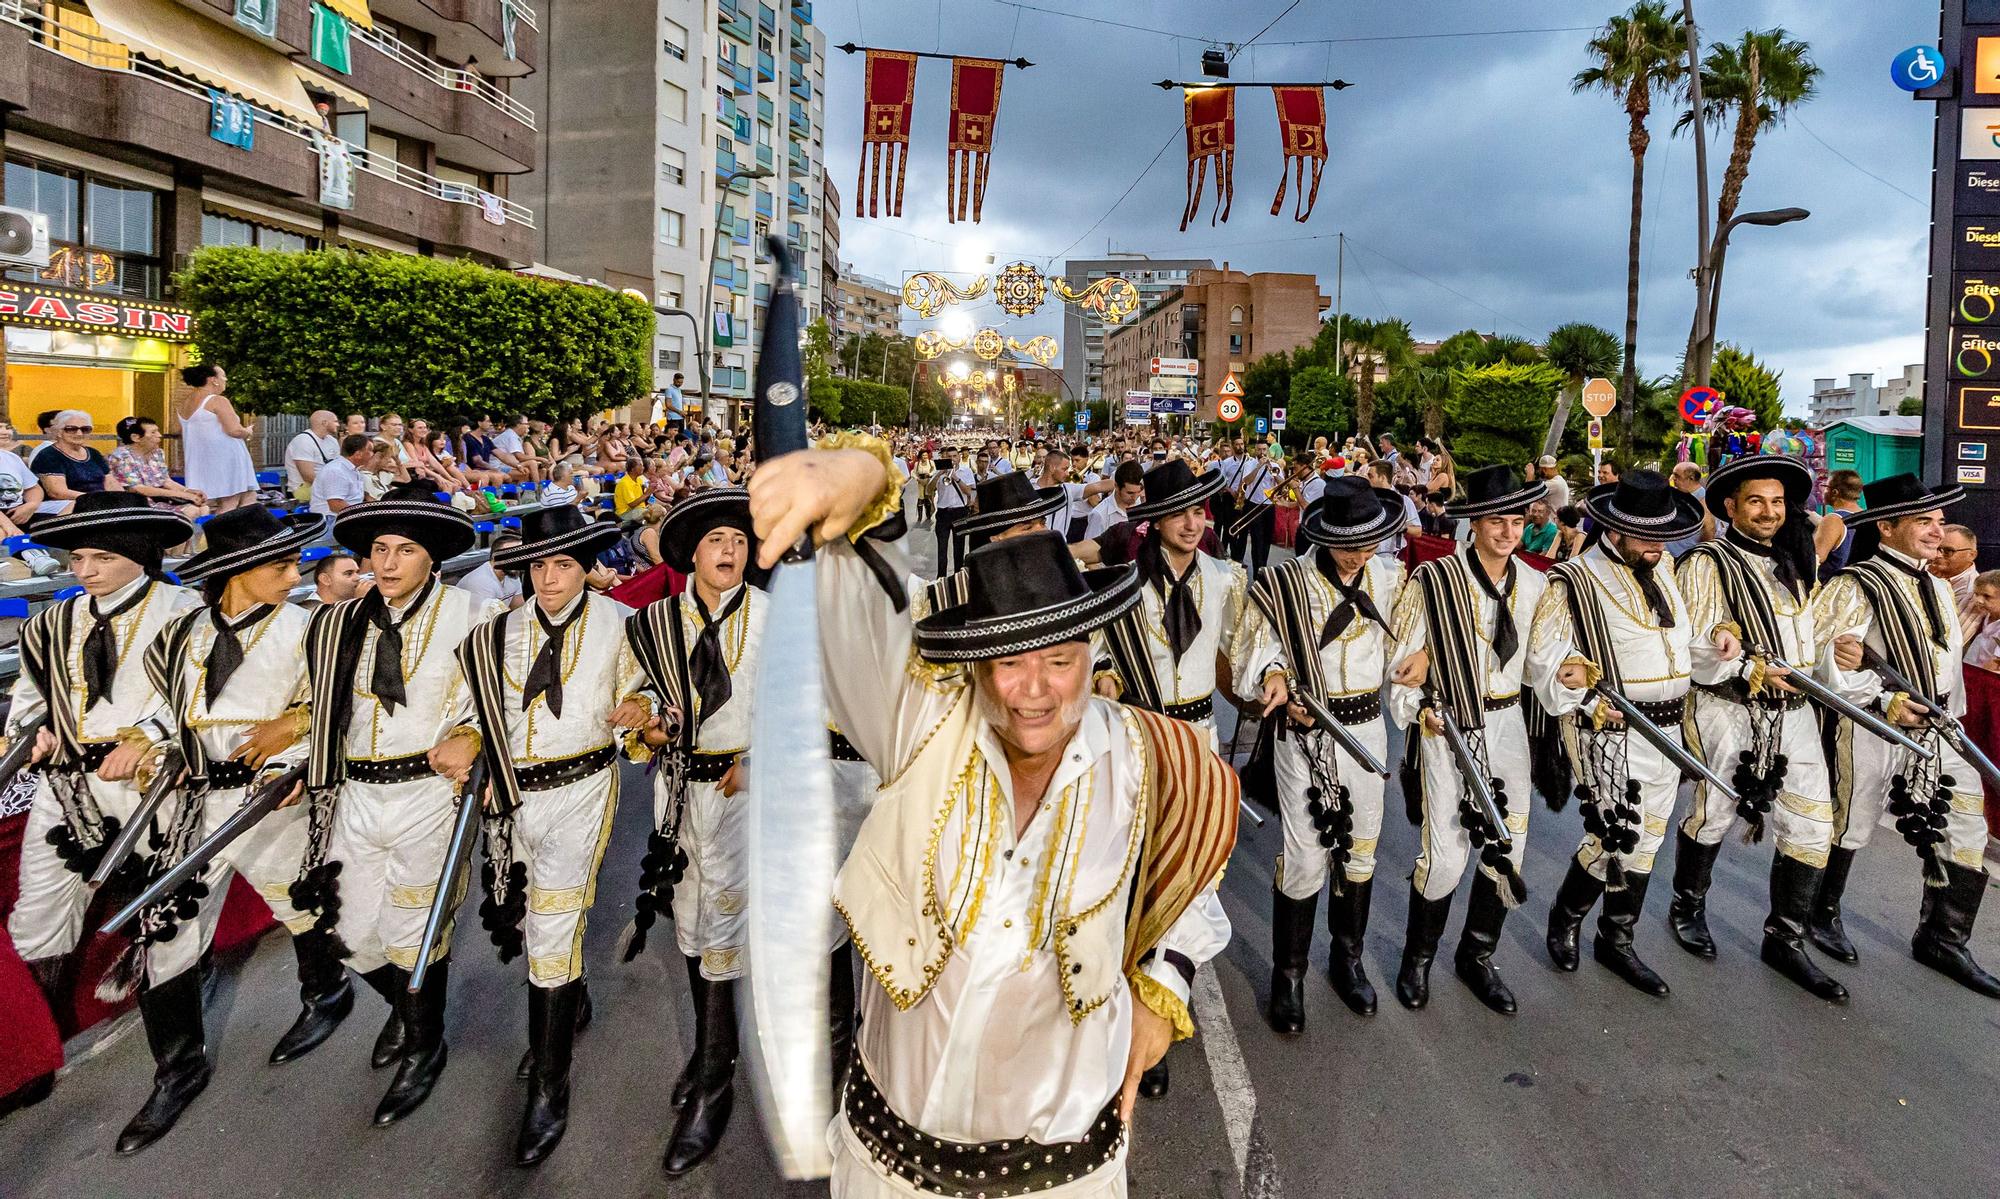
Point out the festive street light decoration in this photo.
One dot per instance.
(987, 343)
(1041, 349)
(1019, 289)
(1110, 299)
(929, 293)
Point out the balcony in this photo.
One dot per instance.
(767, 18)
(733, 22)
(472, 31)
(470, 120)
(800, 122)
(802, 10)
(800, 160)
(725, 162)
(294, 34)
(802, 87)
(795, 199)
(767, 68)
(801, 51)
(763, 204)
(764, 157)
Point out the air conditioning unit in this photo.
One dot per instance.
(24, 237)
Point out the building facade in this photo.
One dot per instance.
(1222, 318)
(681, 133)
(867, 305)
(1860, 397)
(143, 130)
(1083, 335)
(829, 251)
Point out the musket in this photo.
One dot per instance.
(20, 750)
(259, 805)
(1826, 697)
(1672, 750)
(1348, 742)
(1945, 722)
(1475, 780)
(457, 856)
(166, 780)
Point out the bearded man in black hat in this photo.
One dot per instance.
(233, 676)
(83, 673)
(1749, 595)
(1078, 838)
(552, 684)
(1318, 624)
(1462, 647)
(1888, 606)
(388, 696)
(1614, 616)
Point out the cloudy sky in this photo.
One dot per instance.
(1475, 190)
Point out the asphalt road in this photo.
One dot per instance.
(1736, 1084)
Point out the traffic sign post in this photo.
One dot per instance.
(1262, 426)
(1230, 410)
(1278, 420)
(1600, 396)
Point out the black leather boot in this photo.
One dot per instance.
(171, 1012)
(1574, 899)
(1942, 940)
(1291, 951)
(1347, 920)
(840, 1016)
(1793, 886)
(1484, 915)
(424, 1049)
(526, 1068)
(325, 997)
(1824, 925)
(698, 996)
(1687, 916)
(389, 982)
(1420, 943)
(552, 1018)
(1153, 1083)
(1615, 925)
(712, 1096)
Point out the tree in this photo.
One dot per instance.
(1911, 406)
(1634, 53)
(1270, 375)
(1431, 378)
(1321, 404)
(1579, 351)
(1747, 383)
(1373, 344)
(1496, 411)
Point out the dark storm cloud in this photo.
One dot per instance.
(1477, 191)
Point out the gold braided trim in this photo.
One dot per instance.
(1893, 710)
(555, 968)
(301, 924)
(1815, 858)
(1162, 1002)
(467, 730)
(1641, 862)
(729, 903)
(722, 963)
(1971, 858)
(1592, 672)
(1968, 804)
(1656, 826)
(1116, 682)
(636, 749)
(1819, 811)
(1757, 676)
(1517, 822)
(275, 893)
(890, 500)
(555, 903)
(402, 896)
(904, 998)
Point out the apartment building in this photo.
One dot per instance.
(829, 250)
(1224, 319)
(1832, 401)
(1083, 335)
(868, 305)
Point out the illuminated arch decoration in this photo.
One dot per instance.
(929, 293)
(1041, 349)
(1019, 289)
(1110, 299)
(987, 343)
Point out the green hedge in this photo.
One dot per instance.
(379, 333)
(1499, 413)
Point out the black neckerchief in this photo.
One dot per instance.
(100, 647)
(708, 669)
(227, 652)
(1648, 586)
(1354, 600)
(1933, 616)
(1788, 571)
(385, 681)
(1506, 638)
(545, 676)
(1180, 614)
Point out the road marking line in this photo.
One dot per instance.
(1233, 1089)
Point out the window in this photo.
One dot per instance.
(219, 230)
(668, 359)
(672, 287)
(675, 40)
(673, 165)
(381, 153)
(763, 133)
(1236, 315)
(1236, 343)
(724, 145)
(763, 230)
(670, 227)
(103, 235)
(764, 43)
(674, 103)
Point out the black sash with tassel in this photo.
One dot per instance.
(1608, 793)
(660, 644)
(480, 656)
(1759, 776)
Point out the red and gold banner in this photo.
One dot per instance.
(975, 106)
(890, 87)
(1302, 130)
(1211, 134)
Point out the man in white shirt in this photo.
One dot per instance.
(1380, 473)
(1551, 475)
(1076, 516)
(1255, 520)
(486, 582)
(1129, 490)
(955, 486)
(511, 450)
(338, 486)
(1957, 563)
(309, 451)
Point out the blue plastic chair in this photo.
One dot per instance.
(14, 608)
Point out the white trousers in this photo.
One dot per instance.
(1446, 845)
(268, 856)
(561, 833)
(47, 921)
(1302, 863)
(390, 840)
(1659, 787)
(1801, 821)
(1867, 764)
(856, 1176)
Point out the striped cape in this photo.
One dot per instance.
(1190, 830)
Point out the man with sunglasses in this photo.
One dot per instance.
(1957, 563)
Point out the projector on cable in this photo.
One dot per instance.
(24, 238)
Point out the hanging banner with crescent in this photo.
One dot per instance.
(1211, 137)
(1302, 131)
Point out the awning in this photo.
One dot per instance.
(356, 11)
(216, 55)
(327, 83)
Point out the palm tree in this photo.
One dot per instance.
(1431, 376)
(1579, 350)
(1635, 53)
(1371, 345)
(1515, 351)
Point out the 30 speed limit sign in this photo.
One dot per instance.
(1230, 409)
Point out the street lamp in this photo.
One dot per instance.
(1704, 344)
(700, 359)
(723, 187)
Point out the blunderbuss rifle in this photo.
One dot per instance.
(1833, 701)
(20, 750)
(1348, 743)
(1477, 785)
(457, 859)
(1939, 717)
(261, 803)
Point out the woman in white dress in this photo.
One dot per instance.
(213, 441)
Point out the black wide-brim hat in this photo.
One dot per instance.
(561, 529)
(409, 510)
(1352, 515)
(1644, 505)
(1008, 500)
(1173, 487)
(120, 522)
(1897, 495)
(694, 518)
(1495, 491)
(1025, 593)
(244, 538)
(1724, 480)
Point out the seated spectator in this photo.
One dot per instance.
(561, 488)
(486, 582)
(68, 466)
(20, 497)
(628, 498)
(385, 468)
(511, 450)
(663, 484)
(337, 577)
(1569, 532)
(140, 464)
(1982, 647)
(340, 485)
(356, 423)
(1433, 518)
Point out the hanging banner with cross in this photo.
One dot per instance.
(889, 90)
(889, 87)
(975, 106)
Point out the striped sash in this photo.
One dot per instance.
(1190, 830)
(1748, 601)
(1284, 595)
(1458, 666)
(1902, 626)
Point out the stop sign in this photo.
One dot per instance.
(1600, 396)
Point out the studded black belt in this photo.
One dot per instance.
(389, 770)
(1736, 691)
(985, 1170)
(709, 768)
(1663, 712)
(840, 749)
(1355, 709)
(90, 755)
(230, 773)
(559, 772)
(1193, 710)
(1503, 703)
